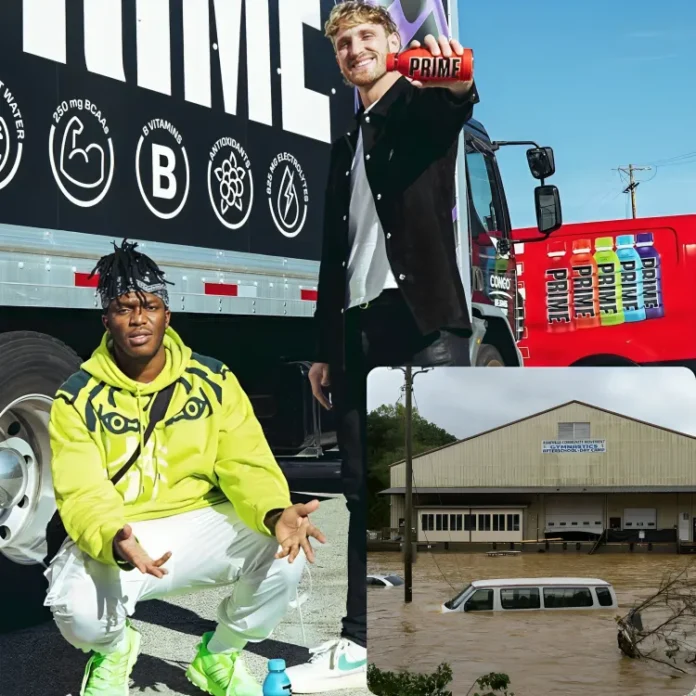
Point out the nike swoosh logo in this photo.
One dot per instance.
(345, 664)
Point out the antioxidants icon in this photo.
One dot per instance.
(230, 183)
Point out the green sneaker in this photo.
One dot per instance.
(221, 674)
(109, 675)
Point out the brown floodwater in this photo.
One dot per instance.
(545, 653)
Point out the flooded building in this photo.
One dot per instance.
(574, 472)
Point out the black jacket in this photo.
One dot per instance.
(410, 140)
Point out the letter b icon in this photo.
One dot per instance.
(163, 179)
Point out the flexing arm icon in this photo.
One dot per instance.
(75, 128)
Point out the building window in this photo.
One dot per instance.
(498, 523)
(428, 522)
(455, 523)
(520, 598)
(573, 431)
(513, 523)
(438, 523)
(567, 597)
(484, 523)
(469, 523)
(445, 526)
(481, 600)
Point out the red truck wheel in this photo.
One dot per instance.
(32, 368)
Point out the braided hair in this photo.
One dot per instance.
(127, 270)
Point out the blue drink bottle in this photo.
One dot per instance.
(277, 682)
(631, 278)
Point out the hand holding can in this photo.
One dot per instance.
(440, 61)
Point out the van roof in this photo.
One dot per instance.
(502, 582)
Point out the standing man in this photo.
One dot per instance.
(390, 292)
(203, 504)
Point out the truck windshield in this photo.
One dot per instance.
(484, 196)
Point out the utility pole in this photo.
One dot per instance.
(633, 185)
(408, 512)
(408, 515)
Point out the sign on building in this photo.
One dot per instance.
(573, 446)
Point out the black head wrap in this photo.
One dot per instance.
(127, 270)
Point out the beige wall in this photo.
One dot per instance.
(669, 508)
(637, 454)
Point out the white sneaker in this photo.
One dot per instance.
(334, 665)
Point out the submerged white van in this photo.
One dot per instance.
(523, 594)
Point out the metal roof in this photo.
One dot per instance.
(424, 490)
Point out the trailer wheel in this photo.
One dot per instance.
(32, 367)
(489, 356)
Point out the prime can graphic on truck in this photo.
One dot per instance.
(604, 282)
(609, 293)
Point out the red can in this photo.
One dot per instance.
(421, 65)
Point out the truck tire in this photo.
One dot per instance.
(488, 356)
(32, 367)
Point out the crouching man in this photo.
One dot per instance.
(194, 501)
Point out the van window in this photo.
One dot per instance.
(481, 600)
(567, 597)
(520, 598)
(604, 596)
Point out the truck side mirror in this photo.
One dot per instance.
(547, 202)
(541, 162)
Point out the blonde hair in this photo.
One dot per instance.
(352, 13)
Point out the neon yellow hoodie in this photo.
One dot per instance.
(208, 447)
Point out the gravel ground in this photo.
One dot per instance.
(38, 662)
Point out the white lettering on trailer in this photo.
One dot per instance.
(43, 29)
(104, 38)
(304, 111)
(153, 41)
(11, 139)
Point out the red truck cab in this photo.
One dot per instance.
(619, 292)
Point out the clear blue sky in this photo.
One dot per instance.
(605, 83)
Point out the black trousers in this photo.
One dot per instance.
(382, 335)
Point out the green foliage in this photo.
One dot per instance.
(386, 445)
(497, 685)
(406, 684)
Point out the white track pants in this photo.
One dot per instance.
(211, 547)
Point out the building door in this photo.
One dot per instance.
(574, 513)
(640, 518)
(684, 527)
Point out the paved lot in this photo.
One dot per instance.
(38, 661)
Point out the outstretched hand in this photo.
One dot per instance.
(128, 549)
(293, 529)
(445, 47)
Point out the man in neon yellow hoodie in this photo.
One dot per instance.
(205, 503)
